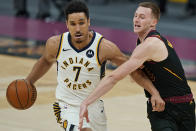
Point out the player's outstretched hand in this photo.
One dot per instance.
(158, 104)
(83, 113)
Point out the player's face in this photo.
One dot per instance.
(78, 26)
(143, 20)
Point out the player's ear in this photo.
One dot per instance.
(154, 22)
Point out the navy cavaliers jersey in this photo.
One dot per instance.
(168, 75)
(79, 71)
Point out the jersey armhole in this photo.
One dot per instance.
(157, 36)
(97, 57)
(168, 43)
(60, 47)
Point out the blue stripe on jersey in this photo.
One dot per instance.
(102, 71)
(57, 64)
(98, 50)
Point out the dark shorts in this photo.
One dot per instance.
(175, 117)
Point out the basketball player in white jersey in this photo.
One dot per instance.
(81, 55)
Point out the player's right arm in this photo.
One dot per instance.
(46, 60)
(109, 51)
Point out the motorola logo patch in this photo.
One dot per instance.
(90, 53)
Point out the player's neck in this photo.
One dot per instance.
(83, 43)
(142, 35)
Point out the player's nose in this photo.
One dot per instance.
(77, 28)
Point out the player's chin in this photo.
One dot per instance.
(136, 30)
(79, 41)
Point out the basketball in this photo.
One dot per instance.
(21, 94)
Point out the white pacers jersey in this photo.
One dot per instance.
(79, 71)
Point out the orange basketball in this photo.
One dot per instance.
(21, 94)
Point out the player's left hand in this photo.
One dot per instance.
(83, 113)
(158, 104)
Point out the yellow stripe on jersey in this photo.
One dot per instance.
(169, 44)
(172, 73)
(97, 53)
(60, 46)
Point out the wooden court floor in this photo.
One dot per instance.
(125, 105)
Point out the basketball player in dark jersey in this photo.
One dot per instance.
(155, 57)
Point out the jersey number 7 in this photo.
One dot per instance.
(76, 68)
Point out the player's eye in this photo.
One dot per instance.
(81, 23)
(142, 17)
(72, 24)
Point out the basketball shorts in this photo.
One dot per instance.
(68, 116)
(175, 117)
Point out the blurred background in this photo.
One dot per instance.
(25, 25)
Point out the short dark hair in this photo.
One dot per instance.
(76, 6)
(155, 9)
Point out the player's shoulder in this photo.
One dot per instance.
(152, 45)
(153, 42)
(108, 47)
(52, 44)
(54, 39)
(107, 43)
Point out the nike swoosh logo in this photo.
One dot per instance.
(66, 49)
